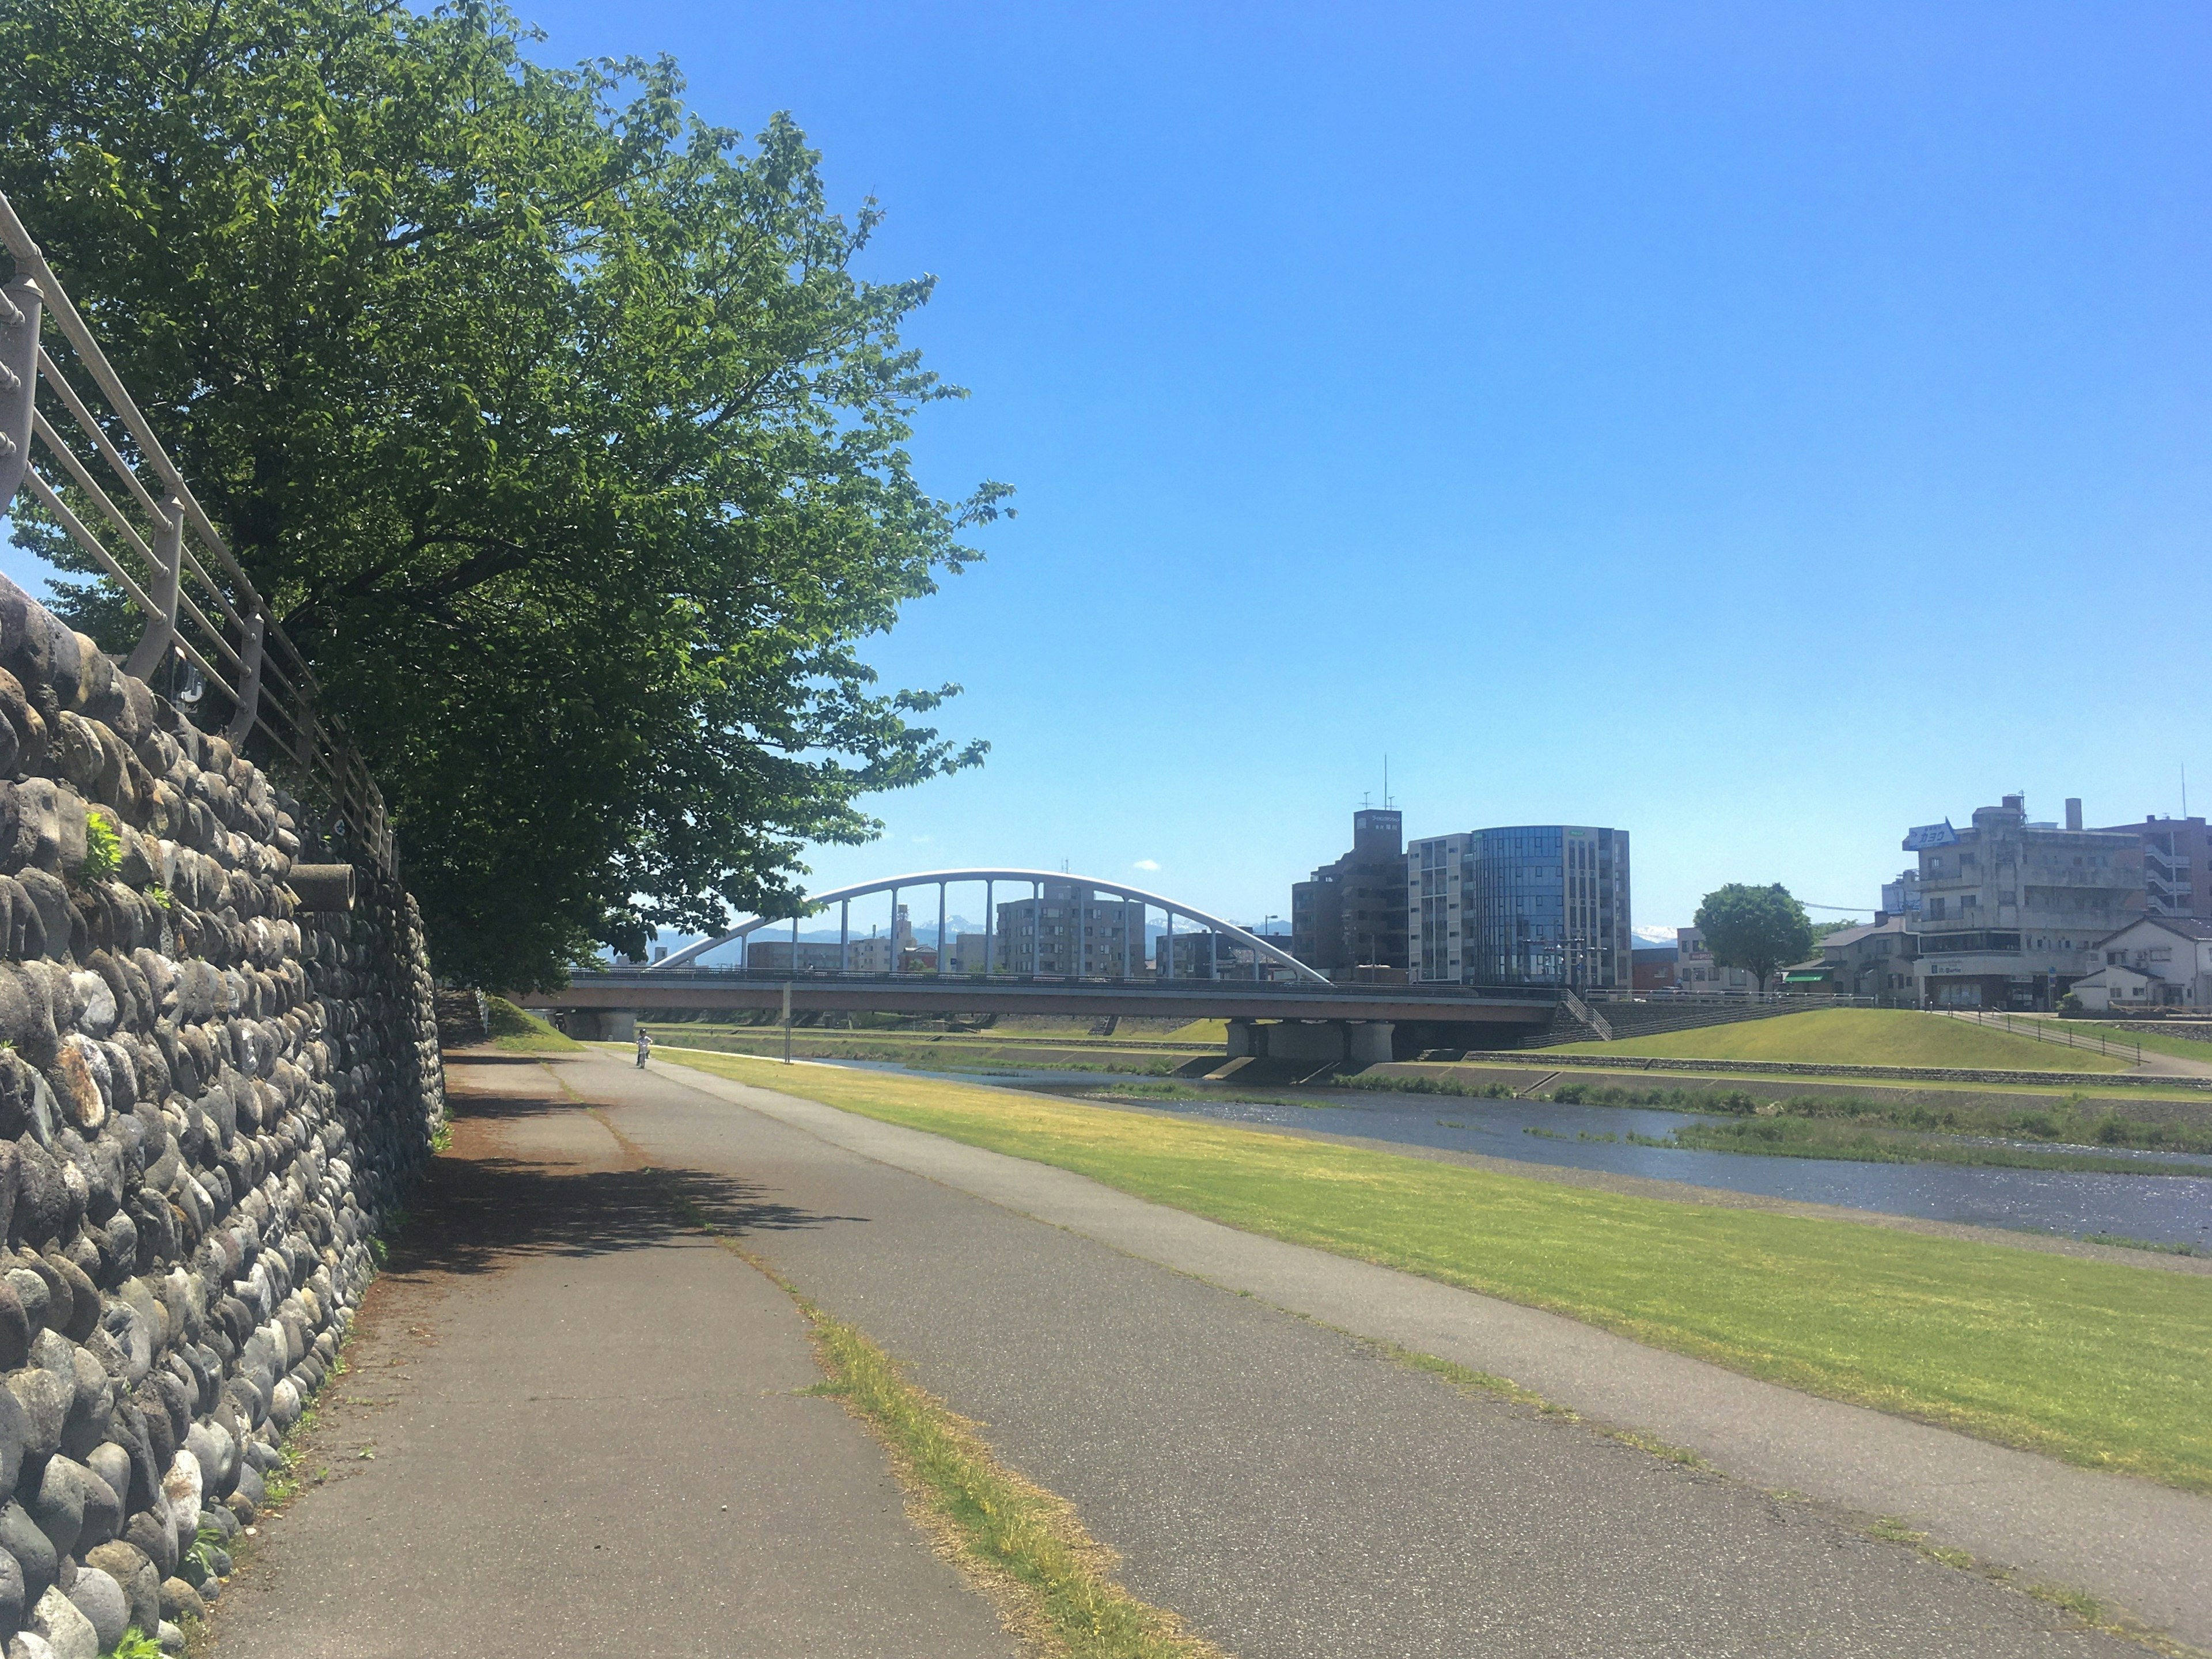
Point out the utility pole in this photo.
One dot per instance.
(786, 1022)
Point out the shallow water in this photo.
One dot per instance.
(2161, 1209)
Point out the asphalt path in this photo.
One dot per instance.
(1282, 1484)
(587, 1437)
(569, 1426)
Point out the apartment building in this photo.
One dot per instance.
(1351, 914)
(2177, 858)
(2011, 912)
(1525, 904)
(1071, 931)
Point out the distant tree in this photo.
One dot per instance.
(558, 427)
(1758, 929)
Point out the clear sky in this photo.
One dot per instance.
(1758, 427)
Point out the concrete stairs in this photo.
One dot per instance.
(460, 1018)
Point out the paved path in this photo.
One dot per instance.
(1291, 1491)
(1282, 1484)
(582, 1438)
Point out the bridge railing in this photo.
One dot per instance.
(661, 978)
(121, 500)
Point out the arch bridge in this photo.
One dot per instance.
(1136, 903)
(1276, 1006)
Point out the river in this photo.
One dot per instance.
(2162, 1209)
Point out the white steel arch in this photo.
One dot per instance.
(943, 879)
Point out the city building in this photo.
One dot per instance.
(2011, 911)
(2172, 954)
(1206, 955)
(2176, 866)
(1350, 914)
(969, 955)
(1697, 973)
(1873, 960)
(1527, 904)
(1901, 897)
(2114, 987)
(1071, 931)
(1652, 966)
(776, 956)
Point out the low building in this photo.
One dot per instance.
(1206, 955)
(1872, 960)
(2172, 954)
(780, 956)
(2011, 911)
(2113, 988)
(1696, 974)
(1653, 966)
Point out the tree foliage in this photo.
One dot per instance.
(556, 423)
(1758, 929)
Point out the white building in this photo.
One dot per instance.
(2158, 961)
(1698, 975)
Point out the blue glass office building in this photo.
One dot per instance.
(1527, 904)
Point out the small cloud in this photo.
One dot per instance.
(1146, 864)
(921, 841)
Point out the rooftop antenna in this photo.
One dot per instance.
(1365, 796)
(2184, 789)
(1386, 783)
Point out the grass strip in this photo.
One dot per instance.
(1873, 1036)
(1000, 1522)
(1797, 1137)
(1026, 1545)
(2101, 1365)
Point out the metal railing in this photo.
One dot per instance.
(2045, 1030)
(205, 622)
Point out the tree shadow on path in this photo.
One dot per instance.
(478, 1211)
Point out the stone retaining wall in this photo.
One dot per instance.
(210, 1098)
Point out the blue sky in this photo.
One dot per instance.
(1759, 428)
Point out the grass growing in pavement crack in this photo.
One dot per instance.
(1890, 1529)
(1023, 1545)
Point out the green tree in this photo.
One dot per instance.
(556, 423)
(1758, 929)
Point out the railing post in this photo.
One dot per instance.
(153, 647)
(249, 691)
(20, 303)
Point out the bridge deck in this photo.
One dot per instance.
(645, 990)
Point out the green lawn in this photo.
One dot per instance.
(2157, 1043)
(1863, 1036)
(519, 1032)
(2103, 1366)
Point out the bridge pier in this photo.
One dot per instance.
(1367, 1041)
(1319, 1042)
